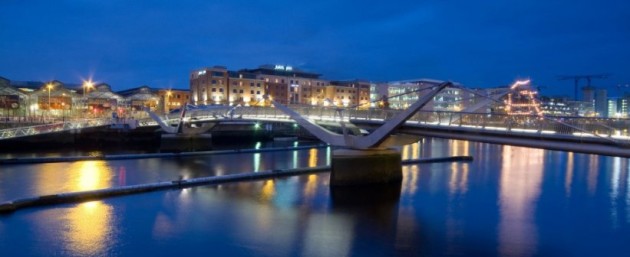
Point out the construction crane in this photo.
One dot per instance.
(588, 78)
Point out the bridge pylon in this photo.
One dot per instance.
(367, 159)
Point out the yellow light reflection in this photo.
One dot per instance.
(405, 152)
(415, 150)
(410, 179)
(311, 186)
(268, 191)
(312, 157)
(90, 226)
(90, 222)
(458, 181)
(92, 175)
(520, 182)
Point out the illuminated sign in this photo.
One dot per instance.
(201, 72)
(282, 67)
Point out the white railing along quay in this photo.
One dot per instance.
(51, 128)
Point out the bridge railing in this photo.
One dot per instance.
(614, 131)
(611, 130)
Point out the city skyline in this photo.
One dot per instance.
(480, 45)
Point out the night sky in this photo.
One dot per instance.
(157, 43)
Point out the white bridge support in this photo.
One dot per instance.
(366, 161)
(371, 141)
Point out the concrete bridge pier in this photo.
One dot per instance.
(185, 142)
(351, 167)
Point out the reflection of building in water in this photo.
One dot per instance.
(312, 157)
(410, 179)
(458, 181)
(90, 226)
(620, 172)
(568, 179)
(90, 223)
(593, 171)
(311, 187)
(520, 182)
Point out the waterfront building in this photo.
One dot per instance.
(284, 84)
(54, 99)
(402, 94)
(172, 99)
(101, 100)
(245, 89)
(13, 102)
(351, 93)
(138, 98)
(300, 87)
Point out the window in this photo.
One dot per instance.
(233, 90)
(240, 91)
(220, 89)
(214, 89)
(258, 92)
(214, 82)
(252, 92)
(257, 84)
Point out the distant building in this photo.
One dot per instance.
(139, 98)
(601, 102)
(613, 111)
(402, 94)
(565, 106)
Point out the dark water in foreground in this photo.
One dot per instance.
(510, 201)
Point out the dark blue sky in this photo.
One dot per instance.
(486, 44)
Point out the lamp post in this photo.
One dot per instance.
(86, 88)
(49, 86)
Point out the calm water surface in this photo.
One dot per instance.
(510, 201)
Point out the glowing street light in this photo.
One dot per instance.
(86, 88)
(87, 85)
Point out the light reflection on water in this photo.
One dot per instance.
(89, 228)
(506, 202)
(519, 191)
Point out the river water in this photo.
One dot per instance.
(509, 201)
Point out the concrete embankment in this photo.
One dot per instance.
(71, 197)
(149, 155)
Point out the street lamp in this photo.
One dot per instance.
(87, 85)
(49, 86)
(86, 88)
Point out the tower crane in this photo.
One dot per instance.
(588, 78)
